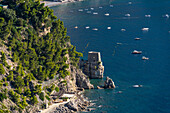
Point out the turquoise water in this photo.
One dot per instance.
(120, 65)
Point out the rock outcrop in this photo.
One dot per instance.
(109, 83)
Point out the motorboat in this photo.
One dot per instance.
(80, 10)
(107, 14)
(136, 86)
(95, 13)
(76, 27)
(148, 16)
(100, 7)
(92, 8)
(145, 58)
(136, 52)
(108, 27)
(128, 15)
(137, 38)
(87, 27)
(129, 2)
(88, 11)
(95, 29)
(111, 5)
(145, 29)
(166, 16)
(123, 30)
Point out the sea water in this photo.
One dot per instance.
(124, 68)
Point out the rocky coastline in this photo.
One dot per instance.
(58, 2)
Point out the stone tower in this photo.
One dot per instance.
(93, 67)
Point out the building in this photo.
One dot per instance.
(92, 67)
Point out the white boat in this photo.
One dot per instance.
(119, 43)
(92, 8)
(111, 5)
(136, 52)
(148, 16)
(95, 29)
(137, 86)
(123, 30)
(107, 14)
(95, 13)
(166, 15)
(80, 10)
(100, 7)
(108, 27)
(88, 11)
(129, 2)
(87, 27)
(128, 15)
(145, 58)
(76, 27)
(137, 38)
(145, 29)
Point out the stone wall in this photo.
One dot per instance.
(93, 66)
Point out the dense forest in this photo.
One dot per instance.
(37, 43)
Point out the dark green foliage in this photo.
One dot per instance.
(14, 96)
(27, 92)
(34, 100)
(41, 96)
(47, 97)
(2, 70)
(2, 96)
(19, 82)
(57, 89)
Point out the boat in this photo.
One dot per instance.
(80, 10)
(95, 29)
(123, 30)
(145, 29)
(136, 52)
(95, 13)
(88, 11)
(129, 2)
(137, 86)
(137, 38)
(128, 15)
(166, 16)
(145, 58)
(108, 27)
(148, 16)
(119, 43)
(87, 27)
(111, 5)
(107, 14)
(76, 27)
(100, 7)
(92, 8)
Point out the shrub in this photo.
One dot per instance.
(2, 96)
(2, 70)
(47, 97)
(41, 96)
(57, 89)
(34, 100)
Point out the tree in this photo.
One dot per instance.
(2, 70)
(10, 76)
(19, 82)
(34, 100)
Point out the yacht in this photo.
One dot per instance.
(76, 27)
(95, 29)
(95, 13)
(137, 38)
(123, 30)
(108, 27)
(145, 58)
(107, 14)
(128, 15)
(148, 16)
(87, 27)
(136, 52)
(145, 29)
(80, 10)
(137, 86)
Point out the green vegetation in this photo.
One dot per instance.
(38, 47)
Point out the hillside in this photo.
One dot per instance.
(37, 58)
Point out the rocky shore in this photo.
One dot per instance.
(55, 3)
